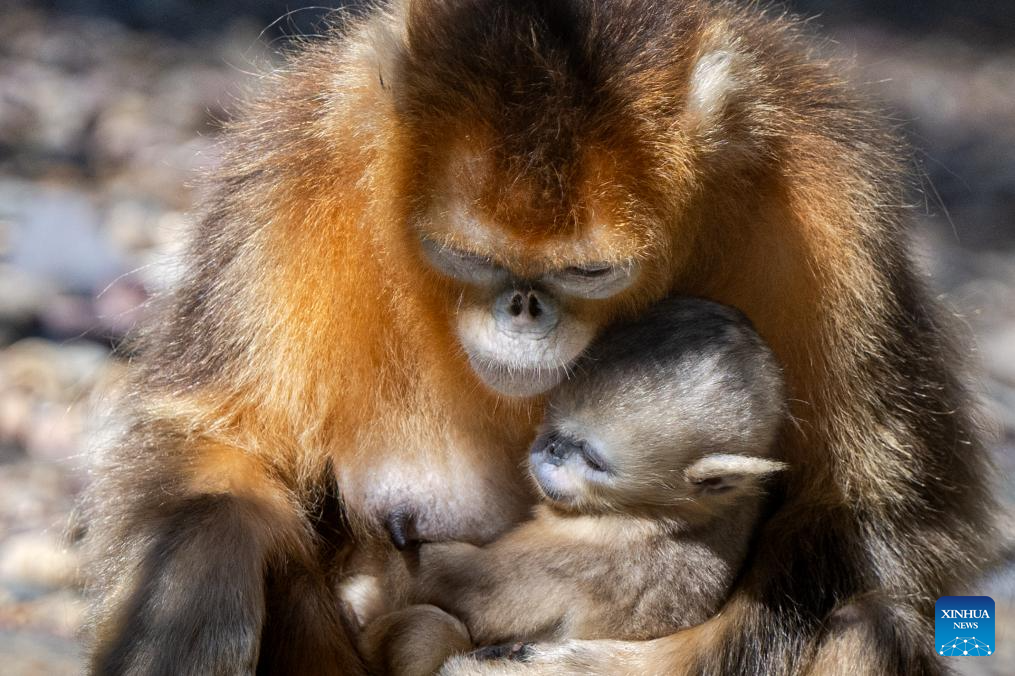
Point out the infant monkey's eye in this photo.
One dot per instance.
(593, 459)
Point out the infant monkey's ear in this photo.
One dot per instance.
(720, 473)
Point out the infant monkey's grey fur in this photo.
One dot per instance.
(651, 461)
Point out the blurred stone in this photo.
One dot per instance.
(38, 559)
(68, 316)
(44, 109)
(130, 225)
(44, 395)
(15, 419)
(60, 613)
(34, 499)
(119, 306)
(998, 350)
(56, 236)
(23, 294)
(50, 370)
(34, 654)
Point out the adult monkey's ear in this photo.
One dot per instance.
(723, 109)
(716, 81)
(721, 473)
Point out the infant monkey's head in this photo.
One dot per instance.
(676, 412)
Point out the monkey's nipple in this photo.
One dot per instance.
(401, 525)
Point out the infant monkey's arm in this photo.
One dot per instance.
(530, 584)
(413, 641)
(499, 592)
(520, 586)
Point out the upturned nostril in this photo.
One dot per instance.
(535, 309)
(517, 304)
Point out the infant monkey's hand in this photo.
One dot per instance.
(516, 651)
(413, 641)
(362, 599)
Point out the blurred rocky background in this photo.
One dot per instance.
(109, 109)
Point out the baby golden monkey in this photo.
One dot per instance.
(650, 462)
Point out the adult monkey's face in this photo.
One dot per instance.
(522, 326)
(530, 282)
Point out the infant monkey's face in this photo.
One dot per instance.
(604, 465)
(676, 412)
(588, 477)
(566, 467)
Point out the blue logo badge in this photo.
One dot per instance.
(964, 626)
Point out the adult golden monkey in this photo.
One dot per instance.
(419, 224)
